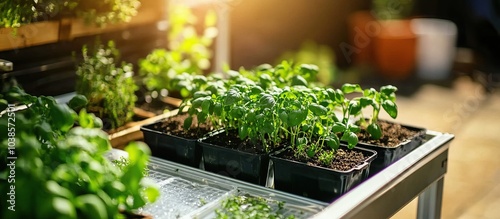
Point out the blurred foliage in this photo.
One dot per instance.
(188, 52)
(108, 87)
(60, 170)
(315, 54)
(392, 9)
(14, 13)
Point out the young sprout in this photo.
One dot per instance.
(385, 99)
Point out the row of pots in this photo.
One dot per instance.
(299, 178)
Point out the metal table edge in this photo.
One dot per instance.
(373, 188)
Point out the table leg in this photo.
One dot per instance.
(429, 201)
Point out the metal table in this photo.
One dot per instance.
(420, 173)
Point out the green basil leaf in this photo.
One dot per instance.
(308, 69)
(284, 117)
(374, 130)
(218, 109)
(391, 108)
(365, 101)
(311, 152)
(331, 93)
(338, 127)
(318, 110)
(296, 117)
(298, 80)
(339, 96)
(388, 89)
(62, 117)
(243, 132)
(187, 123)
(267, 101)
(205, 105)
(256, 90)
(232, 97)
(349, 88)
(370, 93)
(351, 138)
(333, 142)
(199, 94)
(77, 102)
(354, 107)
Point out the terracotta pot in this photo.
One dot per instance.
(363, 27)
(395, 49)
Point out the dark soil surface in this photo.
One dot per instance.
(393, 134)
(230, 139)
(174, 126)
(156, 107)
(344, 159)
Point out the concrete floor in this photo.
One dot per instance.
(472, 183)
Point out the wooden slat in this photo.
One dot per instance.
(122, 138)
(29, 35)
(149, 12)
(45, 32)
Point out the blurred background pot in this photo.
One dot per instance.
(395, 49)
(436, 47)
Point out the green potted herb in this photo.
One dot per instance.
(109, 87)
(175, 138)
(391, 140)
(246, 110)
(63, 171)
(313, 155)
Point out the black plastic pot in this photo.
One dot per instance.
(236, 164)
(315, 182)
(386, 156)
(171, 147)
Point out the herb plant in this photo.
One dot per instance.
(108, 87)
(251, 207)
(284, 74)
(264, 109)
(61, 170)
(320, 55)
(383, 99)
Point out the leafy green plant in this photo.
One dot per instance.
(108, 87)
(282, 75)
(189, 52)
(320, 55)
(61, 170)
(383, 99)
(310, 120)
(248, 207)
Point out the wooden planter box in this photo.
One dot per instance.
(29, 35)
(46, 32)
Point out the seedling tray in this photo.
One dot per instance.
(386, 156)
(315, 182)
(171, 147)
(192, 193)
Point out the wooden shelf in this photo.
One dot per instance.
(29, 35)
(46, 32)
